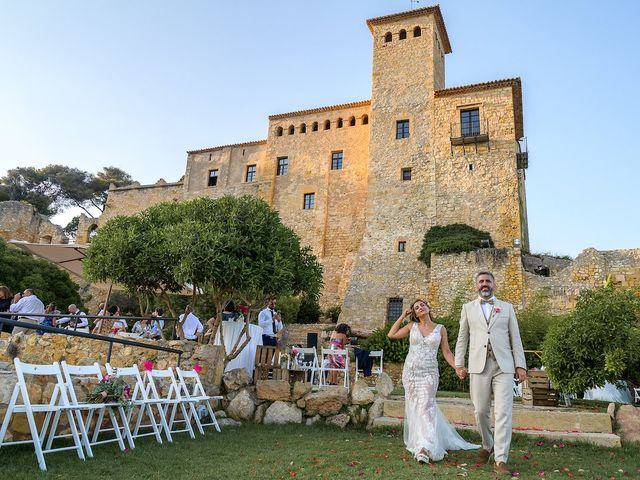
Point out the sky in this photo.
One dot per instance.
(135, 84)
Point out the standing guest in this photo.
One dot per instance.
(29, 309)
(189, 324)
(229, 312)
(76, 320)
(5, 303)
(270, 321)
(339, 337)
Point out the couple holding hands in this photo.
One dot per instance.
(489, 330)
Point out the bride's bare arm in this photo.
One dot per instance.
(446, 351)
(397, 331)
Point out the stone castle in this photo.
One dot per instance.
(362, 182)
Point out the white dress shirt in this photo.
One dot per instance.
(487, 307)
(27, 305)
(82, 322)
(265, 320)
(191, 326)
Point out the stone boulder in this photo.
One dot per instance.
(360, 393)
(375, 411)
(235, 379)
(258, 416)
(326, 402)
(629, 422)
(282, 412)
(273, 390)
(242, 406)
(341, 420)
(313, 420)
(358, 414)
(384, 385)
(300, 389)
(228, 422)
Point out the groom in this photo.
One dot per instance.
(490, 329)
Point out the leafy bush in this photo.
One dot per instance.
(453, 238)
(289, 306)
(597, 343)
(394, 350)
(309, 311)
(534, 322)
(333, 313)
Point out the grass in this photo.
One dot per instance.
(296, 451)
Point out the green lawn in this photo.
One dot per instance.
(297, 451)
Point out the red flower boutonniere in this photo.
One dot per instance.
(497, 309)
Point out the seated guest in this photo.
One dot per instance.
(103, 326)
(189, 326)
(337, 341)
(229, 312)
(210, 333)
(29, 309)
(5, 303)
(157, 324)
(50, 319)
(142, 328)
(76, 320)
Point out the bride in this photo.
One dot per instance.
(427, 433)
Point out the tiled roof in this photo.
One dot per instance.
(245, 144)
(476, 87)
(435, 9)
(279, 116)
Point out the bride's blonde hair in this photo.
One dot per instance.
(413, 316)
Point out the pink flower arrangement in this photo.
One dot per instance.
(147, 365)
(197, 368)
(111, 389)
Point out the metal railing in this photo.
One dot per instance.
(5, 319)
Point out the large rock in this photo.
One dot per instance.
(273, 390)
(629, 421)
(300, 389)
(281, 413)
(326, 402)
(384, 385)
(361, 394)
(313, 420)
(341, 420)
(242, 406)
(258, 416)
(235, 379)
(375, 411)
(358, 415)
(228, 422)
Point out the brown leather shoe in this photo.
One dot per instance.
(501, 469)
(484, 455)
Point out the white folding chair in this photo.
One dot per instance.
(375, 369)
(169, 404)
(517, 388)
(325, 365)
(94, 371)
(310, 363)
(59, 403)
(141, 401)
(196, 395)
(637, 395)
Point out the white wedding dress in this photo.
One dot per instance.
(425, 427)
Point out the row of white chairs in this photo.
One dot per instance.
(148, 400)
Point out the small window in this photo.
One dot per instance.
(402, 129)
(402, 246)
(352, 122)
(303, 128)
(402, 35)
(314, 127)
(209, 157)
(406, 174)
(213, 178)
(417, 32)
(388, 37)
(470, 122)
(394, 309)
(279, 131)
(292, 129)
(327, 124)
(471, 167)
(309, 201)
(365, 119)
(283, 166)
(339, 123)
(336, 161)
(251, 174)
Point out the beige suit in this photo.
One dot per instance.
(495, 351)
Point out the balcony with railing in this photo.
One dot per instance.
(469, 132)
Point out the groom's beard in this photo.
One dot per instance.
(486, 293)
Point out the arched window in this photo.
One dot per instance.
(291, 129)
(403, 34)
(279, 131)
(303, 128)
(339, 123)
(93, 229)
(314, 127)
(327, 124)
(365, 119)
(417, 32)
(352, 121)
(387, 37)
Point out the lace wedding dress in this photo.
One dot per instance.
(425, 427)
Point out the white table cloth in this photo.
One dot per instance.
(246, 358)
(610, 393)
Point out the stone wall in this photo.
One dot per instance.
(21, 221)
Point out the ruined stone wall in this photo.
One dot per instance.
(21, 221)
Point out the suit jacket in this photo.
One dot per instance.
(502, 331)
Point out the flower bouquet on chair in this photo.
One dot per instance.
(111, 389)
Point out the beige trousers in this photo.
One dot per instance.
(28, 331)
(492, 380)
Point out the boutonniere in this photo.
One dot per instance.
(497, 309)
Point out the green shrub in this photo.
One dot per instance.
(309, 311)
(394, 350)
(333, 313)
(534, 322)
(289, 306)
(453, 238)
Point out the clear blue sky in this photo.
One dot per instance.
(135, 84)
